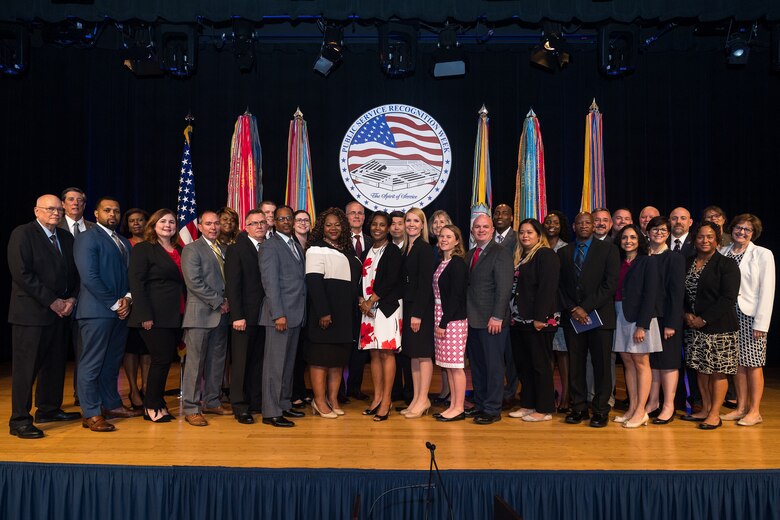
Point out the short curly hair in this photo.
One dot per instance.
(344, 244)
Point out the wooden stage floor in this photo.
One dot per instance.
(355, 441)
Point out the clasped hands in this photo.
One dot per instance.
(62, 307)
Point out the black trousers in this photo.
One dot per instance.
(37, 352)
(599, 343)
(246, 370)
(299, 370)
(533, 354)
(161, 343)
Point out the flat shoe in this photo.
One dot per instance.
(658, 420)
(521, 412)
(705, 426)
(531, 418)
(691, 418)
(743, 422)
(460, 417)
(733, 416)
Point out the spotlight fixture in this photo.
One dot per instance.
(551, 53)
(397, 49)
(177, 45)
(244, 44)
(139, 54)
(449, 60)
(72, 32)
(332, 48)
(617, 46)
(738, 43)
(14, 48)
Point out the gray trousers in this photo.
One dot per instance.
(278, 364)
(206, 350)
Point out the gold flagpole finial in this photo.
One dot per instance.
(593, 106)
(298, 114)
(483, 112)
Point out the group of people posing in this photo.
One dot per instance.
(288, 294)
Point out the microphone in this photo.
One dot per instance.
(430, 445)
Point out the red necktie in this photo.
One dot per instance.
(474, 258)
(358, 246)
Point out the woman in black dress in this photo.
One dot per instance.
(665, 365)
(711, 288)
(332, 274)
(417, 339)
(158, 291)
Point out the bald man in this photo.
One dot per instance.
(647, 214)
(44, 285)
(680, 240)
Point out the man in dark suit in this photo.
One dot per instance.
(102, 258)
(244, 291)
(205, 322)
(74, 200)
(282, 270)
(356, 215)
(680, 240)
(487, 307)
(602, 224)
(44, 285)
(503, 218)
(589, 276)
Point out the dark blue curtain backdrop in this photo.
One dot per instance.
(44, 491)
(682, 130)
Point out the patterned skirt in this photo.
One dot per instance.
(450, 351)
(752, 351)
(712, 353)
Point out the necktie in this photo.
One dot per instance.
(76, 229)
(579, 258)
(499, 238)
(358, 245)
(53, 239)
(677, 245)
(121, 247)
(220, 259)
(474, 258)
(291, 243)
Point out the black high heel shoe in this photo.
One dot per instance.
(136, 406)
(372, 411)
(380, 418)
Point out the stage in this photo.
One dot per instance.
(315, 470)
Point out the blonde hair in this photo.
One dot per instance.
(424, 231)
(521, 258)
(439, 213)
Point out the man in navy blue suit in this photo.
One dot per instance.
(104, 302)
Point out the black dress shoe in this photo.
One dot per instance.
(576, 417)
(460, 417)
(293, 413)
(663, 421)
(357, 394)
(279, 422)
(26, 431)
(473, 412)
(441, 401)
(59, 415)
(705, 426)
(655, 413)
(731, 405)
(245, 418)
(599, 420)
(691, 418)
(486, 418)
(299, 406)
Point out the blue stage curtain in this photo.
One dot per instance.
(128, 492)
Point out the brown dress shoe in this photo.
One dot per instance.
(219, 410)
(122, 413)
(97, 424)
(196, 419)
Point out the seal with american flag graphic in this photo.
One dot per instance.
(395, 157)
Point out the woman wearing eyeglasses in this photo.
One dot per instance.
(665, 365)
(754, 310)
(300, 394)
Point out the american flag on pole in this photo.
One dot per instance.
(187, 209)
(395, 136)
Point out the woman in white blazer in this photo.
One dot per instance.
(754, 308)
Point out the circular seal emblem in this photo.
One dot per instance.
(395, 157)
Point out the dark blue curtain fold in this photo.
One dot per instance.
(127, 492)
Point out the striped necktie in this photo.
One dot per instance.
(220, 258)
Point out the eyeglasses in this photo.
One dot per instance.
(51, 211)
(302, 220)
(253, 224)
(284, 219)
(660, 231)
(353, 213)
(744, 229)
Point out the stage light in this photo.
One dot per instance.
(552, 52)
(139, 55)
(449, 60)
(397, 49)
(72, 32)
(617, 45)
(177, 47)
(14, 48)
(332, 49)
(244, 44)
(738, 43)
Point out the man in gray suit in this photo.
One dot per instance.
(282, 271)
(205, 322)
(487, 309)
(503, 218)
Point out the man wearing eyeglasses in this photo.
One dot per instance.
(44, 285)
(282, 270)
(244, 291)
